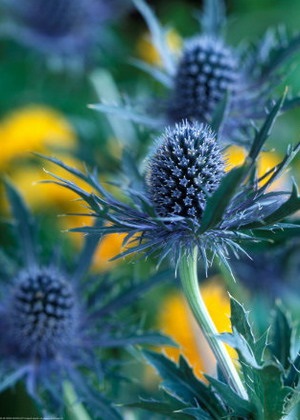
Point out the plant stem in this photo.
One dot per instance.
(189, 280)
(75, 409)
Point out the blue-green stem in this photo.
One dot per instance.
(76, 410)
(189, 280)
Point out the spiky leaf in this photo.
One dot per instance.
(180, 382)
(281, 334)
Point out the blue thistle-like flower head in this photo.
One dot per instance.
(68, 28)
(54, 320)
(185, 169)
(42, 313)
(207, 70)
(185, 200)
(211, 82)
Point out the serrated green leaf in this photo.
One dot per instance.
(281, 334)
(217, 203)
(261, 345)
(293, 377)
(161, 407)
(239, 406)
(278, 234)
(293, 402)
(240, 323)
(180, 382)
(238, 342)
(271, 392)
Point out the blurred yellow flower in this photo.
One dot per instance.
(147, 52)
(43, 197)
(110, 246)
(235, 156)
(33, 128)
(176, 321)
(41, 129)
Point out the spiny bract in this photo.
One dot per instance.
(43, 312)
(185, 169)
(207, 70)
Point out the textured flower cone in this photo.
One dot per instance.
(207, 70)
(42, 313)
(185, 169)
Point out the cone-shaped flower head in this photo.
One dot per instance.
(197, 78)
(56, 319)
(185, 169)
(207, 70)
(43, 313)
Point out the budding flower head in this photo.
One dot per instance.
(42, 313)
(207, 70)
(185, 169)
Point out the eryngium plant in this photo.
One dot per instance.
(270, 366)
(209, 78)
(59, 27)
(55, 321)
(185, 199)
(185, 206)
(186, 168)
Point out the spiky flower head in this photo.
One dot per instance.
(42, 314)
(196, 81)
(54, 323)
(217, 214)
(207, 70)
(184, 170)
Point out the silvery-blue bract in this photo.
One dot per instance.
(169, 211)
(55, 320)
(210, 81)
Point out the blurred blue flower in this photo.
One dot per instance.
(54, 320)
(63, 28)
(210, 80)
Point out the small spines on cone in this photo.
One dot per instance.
(206, 71)
(42, 313)
(186, 167)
